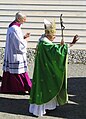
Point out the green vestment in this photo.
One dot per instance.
(49, 77)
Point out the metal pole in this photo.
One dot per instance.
(62, 27)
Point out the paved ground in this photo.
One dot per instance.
(16, 106)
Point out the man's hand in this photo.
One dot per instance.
(27, 35)
(76, 38)
(62, 42)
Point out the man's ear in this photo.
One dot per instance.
(18, 19)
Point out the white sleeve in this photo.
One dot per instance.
(68, 48)
(18, 42)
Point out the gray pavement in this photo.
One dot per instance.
(16, 106)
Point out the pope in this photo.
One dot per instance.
(49, 84)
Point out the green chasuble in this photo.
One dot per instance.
(49, 77)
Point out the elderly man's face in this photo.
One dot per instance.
(22, 20)
(51, 37)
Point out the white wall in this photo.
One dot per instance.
(74, 18)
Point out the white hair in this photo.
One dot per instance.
(19, 15)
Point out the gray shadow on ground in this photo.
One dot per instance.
(77, 95)
(75, 110)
